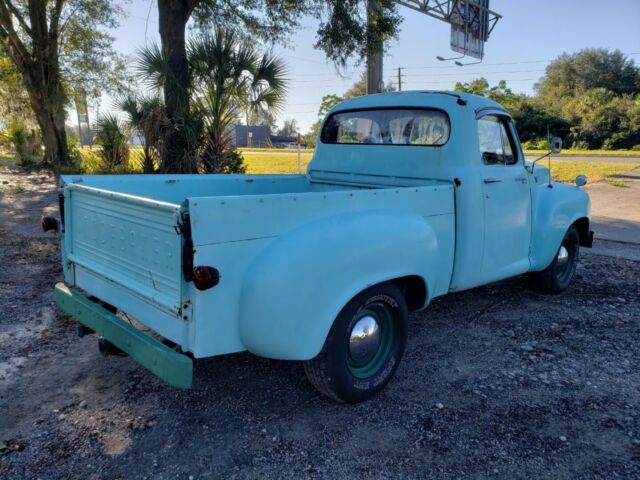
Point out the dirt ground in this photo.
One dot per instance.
(496, 382)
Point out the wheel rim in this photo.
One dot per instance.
(370, 340)
(564, 261)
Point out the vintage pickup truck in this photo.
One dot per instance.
(408, 196)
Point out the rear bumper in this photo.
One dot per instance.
(174, 368)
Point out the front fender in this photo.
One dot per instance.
(296, 287)
(554, 211)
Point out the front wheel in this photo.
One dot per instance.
(364, 346)
(557, 277)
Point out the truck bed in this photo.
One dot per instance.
(124, 243)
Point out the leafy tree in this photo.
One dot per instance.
(289, 128)
(226, 76)
(327, 103)
(51, 43)
(359, 88)
(534, 122)
(529, 115)
(146, 117)
(262, 118)
(572, 75)
(14, 101)
(343, 33)
(600, 119)
(231, 75)
(479, 86)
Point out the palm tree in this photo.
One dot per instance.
(112, 137)
(227, 78)
(146, 117)
(230, 77)
(176, 152)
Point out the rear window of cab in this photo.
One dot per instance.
(388, 126)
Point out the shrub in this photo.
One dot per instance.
(234, 162)
(112, 138)
(543, 144)
(5, 142)
(25, 143)
(75, 157)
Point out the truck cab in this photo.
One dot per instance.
(409, 196)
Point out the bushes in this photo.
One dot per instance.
(538, 144)
(26, 143)
(234, 162)
(113, 140)
(91, 161)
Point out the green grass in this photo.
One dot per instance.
(286, 161)
(283, 163)
(562, 171)
(263, 149)
(616, 183)
(589, 153)
(567, 170)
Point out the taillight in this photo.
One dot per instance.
(49, 223)
(205, 278)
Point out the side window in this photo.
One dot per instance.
(496, 144)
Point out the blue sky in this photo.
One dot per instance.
(524, 40)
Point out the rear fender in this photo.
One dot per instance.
(294, 290)
(554, 211)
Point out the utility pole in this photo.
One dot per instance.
(374, 57)
(400, 78)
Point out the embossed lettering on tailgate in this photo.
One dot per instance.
(129, 240)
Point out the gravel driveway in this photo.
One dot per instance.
(496, 382)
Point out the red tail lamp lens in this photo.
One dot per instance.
(49, 223)
(205, 277)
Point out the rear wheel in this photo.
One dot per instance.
(557, 277)
(364, 346)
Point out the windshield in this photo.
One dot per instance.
(402, 126)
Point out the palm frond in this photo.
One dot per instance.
(152, 67)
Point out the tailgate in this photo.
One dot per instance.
(131, 241)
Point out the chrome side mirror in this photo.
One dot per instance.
(581, 180)
(556, 145)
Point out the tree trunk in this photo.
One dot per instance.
(177, 156)
(47, 100)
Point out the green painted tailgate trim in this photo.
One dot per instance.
(174, 368)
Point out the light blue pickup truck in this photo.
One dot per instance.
(409, 196)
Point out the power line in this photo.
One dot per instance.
(351, 77)
(461, 73)
(628, 54)
(451, 81)
(469, 73)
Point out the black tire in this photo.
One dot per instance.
(557, 277)
(337, 371)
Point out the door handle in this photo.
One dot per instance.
(492, 180)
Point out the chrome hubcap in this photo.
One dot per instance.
(563, 257)
(364, 340)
